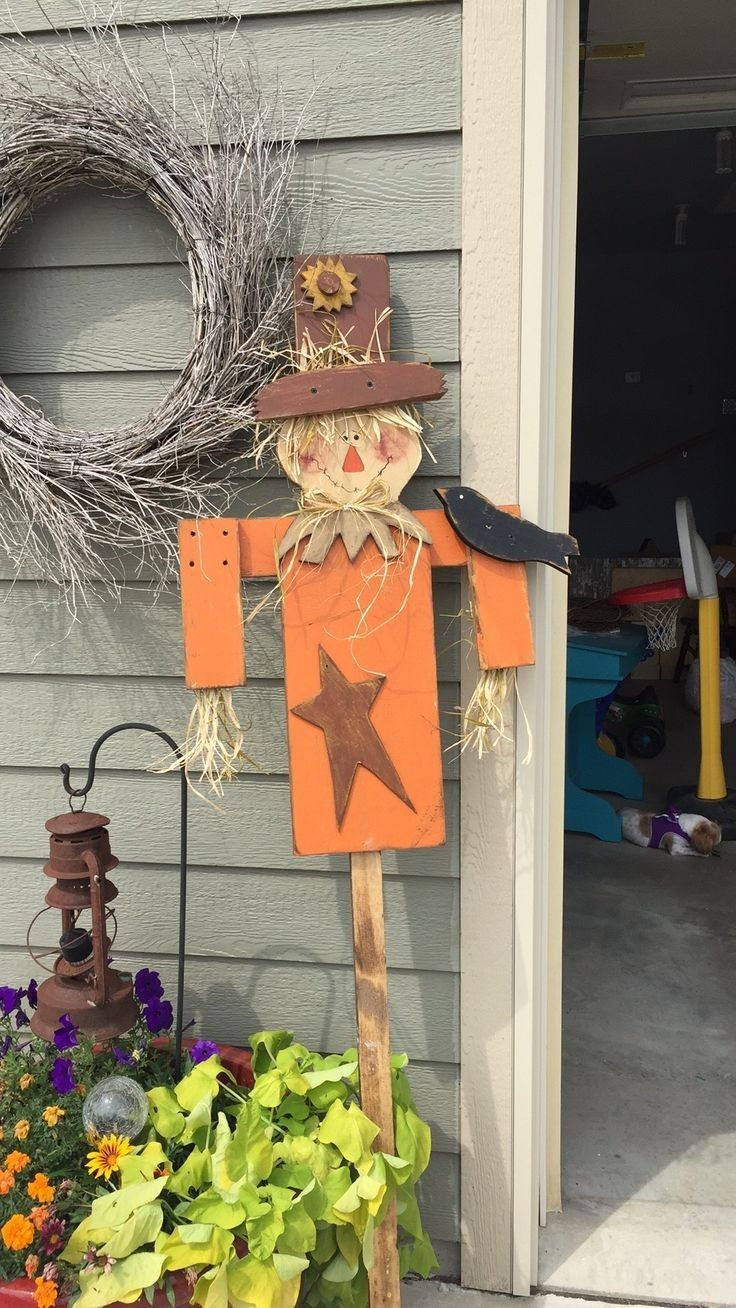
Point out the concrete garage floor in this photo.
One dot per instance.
(649, 1082)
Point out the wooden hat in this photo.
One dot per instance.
(350, 292)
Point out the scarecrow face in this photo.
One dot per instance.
(346, 465)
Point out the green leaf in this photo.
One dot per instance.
(350, 1130)
(339, 1270)
(288, 1265)
(300, 1232)
(141, 1166)
(349, 1246)
(141, 1228)
(407, 1212)
(189, 1246)
(266, 1045)
(413, 1140)
(211, 1288)
(127, 1277)
(324, 1074)
(269, 1089)
(294, 1106)
(199, 1084)
(370, 1227)
(399, 1168)
(326, 1245)
(194, 1172)
(259, 1284)
(249, 1155)
(418, 1257)
(115, 1209)
(86, 1233)
(165, 1112)
(264, 1230)
(211, 1207)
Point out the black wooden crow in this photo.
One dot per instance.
(502, 536)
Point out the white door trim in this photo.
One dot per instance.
(545, 385)
(519, 98)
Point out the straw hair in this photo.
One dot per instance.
(87, 114)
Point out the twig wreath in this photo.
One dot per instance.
(73, 498)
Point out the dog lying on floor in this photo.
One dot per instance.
(677, 833)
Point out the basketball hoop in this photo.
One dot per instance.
(657, 606)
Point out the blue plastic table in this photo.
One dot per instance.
(596, 664)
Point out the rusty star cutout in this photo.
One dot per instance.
(342, 710)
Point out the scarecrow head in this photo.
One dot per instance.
(344, 424)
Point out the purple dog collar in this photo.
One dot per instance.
(666, 824)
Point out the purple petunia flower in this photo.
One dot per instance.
(122, 1056)
(202, 1049)
(32, 993)
(5, 1045)
(65, 1035)
(21, 1018)
(158, 1016)
(61, 1076)
(9, 999)
(148, 987)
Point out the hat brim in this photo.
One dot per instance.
(349, 387)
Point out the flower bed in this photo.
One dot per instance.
(254, 1179)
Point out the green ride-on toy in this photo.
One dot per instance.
(635, 723)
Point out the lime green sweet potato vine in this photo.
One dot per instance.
(266, 1197)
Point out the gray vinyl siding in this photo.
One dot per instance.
(96, 320)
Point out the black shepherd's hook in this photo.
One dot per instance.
(79, 792)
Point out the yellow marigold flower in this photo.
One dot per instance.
(17, 1233)
(31, 1266)
(21, 1129)
(40, 1188)
(45, 1292)
(105, 1159)
(7, 1181)
(16, 1161)
(26, 1081)
(38, 1216)
(53, 1114)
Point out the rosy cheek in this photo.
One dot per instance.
(311, 458)
(393, 445)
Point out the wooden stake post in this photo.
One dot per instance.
(374, 1050)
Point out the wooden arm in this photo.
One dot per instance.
(498, 595)
(211, 600)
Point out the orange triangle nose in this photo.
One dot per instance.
(353, 461)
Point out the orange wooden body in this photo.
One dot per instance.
(371, 621)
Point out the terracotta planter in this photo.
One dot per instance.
(19, 1294)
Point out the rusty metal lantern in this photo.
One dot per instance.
(98, 998)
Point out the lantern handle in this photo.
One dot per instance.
(81, 792)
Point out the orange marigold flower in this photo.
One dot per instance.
(17, 1233)
(31, 1266)
(81, 1089)
(41, 1189)
(26, 1081)
(21, 1129)
(7, 1181)
(53, 1114)
(2, 1133)
(38, 1216)
(16, 1161)
(45, 1292)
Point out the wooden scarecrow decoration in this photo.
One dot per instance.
(354, 569)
